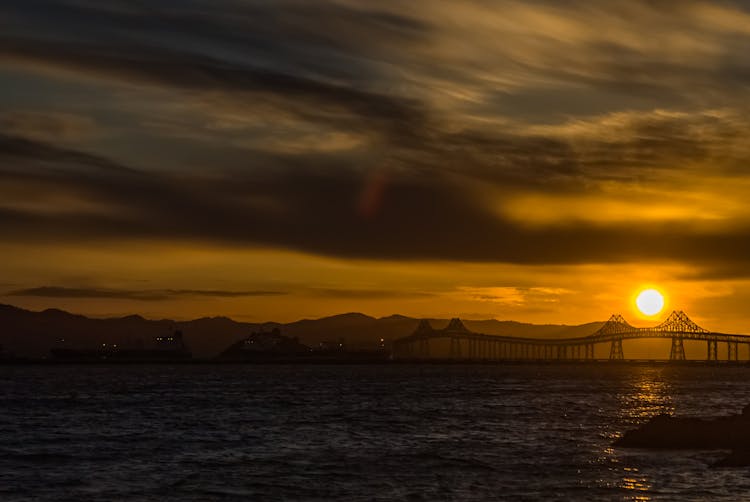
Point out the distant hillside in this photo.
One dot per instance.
(28, 333)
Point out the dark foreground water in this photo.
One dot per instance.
(517, 432)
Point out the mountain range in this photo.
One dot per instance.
(32, 334)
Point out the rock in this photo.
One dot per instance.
(665, 432)
(738, 458)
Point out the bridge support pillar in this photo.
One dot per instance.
(733, 351)
(677, 352)
(590, 351)
(409, 349)
(615, 351)
(713, 350)
(455, 349)
(424, 348)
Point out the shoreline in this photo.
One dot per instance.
(399, 362)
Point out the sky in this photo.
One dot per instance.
(540, 161)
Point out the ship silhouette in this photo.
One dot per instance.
(164, 348)
(272, 346)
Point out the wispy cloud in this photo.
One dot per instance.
(142, 295)
(367, 293)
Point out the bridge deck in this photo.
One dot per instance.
(595, 338)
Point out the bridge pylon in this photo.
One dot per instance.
(733, 351)
(455, 347)
(677, 352)
(615, 351)
(713, 350)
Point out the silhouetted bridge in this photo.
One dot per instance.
(465, 344)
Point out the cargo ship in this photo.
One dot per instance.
(165, 348)
(273, 347)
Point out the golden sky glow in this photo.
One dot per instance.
(517, 160)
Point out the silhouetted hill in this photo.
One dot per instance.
(29, 333)
(514, 328)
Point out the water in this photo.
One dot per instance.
(201, 432)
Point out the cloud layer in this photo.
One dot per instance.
(516, 132)
(142, 295)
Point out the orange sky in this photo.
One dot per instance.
(160, 281)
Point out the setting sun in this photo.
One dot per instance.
(650, 302)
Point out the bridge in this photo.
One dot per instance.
(468, 345)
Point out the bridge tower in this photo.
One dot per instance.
(677, 352)
(615, 351)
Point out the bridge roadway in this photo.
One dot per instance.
(465, 344)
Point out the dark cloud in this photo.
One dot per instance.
(259, 53)
(419, 217)
(67, 160)
(47, 126)
(545, 113)
(144, 295)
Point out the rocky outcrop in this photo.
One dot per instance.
(665, 432)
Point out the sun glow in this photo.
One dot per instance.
(650, 302)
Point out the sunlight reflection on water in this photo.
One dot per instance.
(647, 394)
